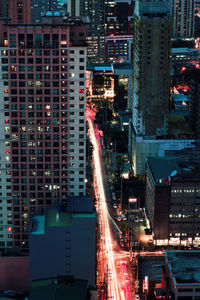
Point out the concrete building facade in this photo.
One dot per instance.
(181, 275)
(184, 56)
(155, 131)
(151, 67)
(119, 31)
(183, 12)
(63, 243)
(19, 11)
(173, 199)
(143, 148)
(43, 119)
(5, 172)
(95, 11)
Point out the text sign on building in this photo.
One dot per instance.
(132, 200)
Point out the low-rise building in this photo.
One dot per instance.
(173, 199)
(182, 56)
(100, 82)
(143, 147)
(61, 288)
(63, 242)
(180, 102)
(123, 78)
(182, 279)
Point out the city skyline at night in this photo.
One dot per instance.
(99, 149)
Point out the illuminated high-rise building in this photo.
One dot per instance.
(151, 67)
(119, 30)
(152, 131)
(183, 12)
(42, 120)
(18, 10)
(109, 32)
(75, 7)
(95, 11)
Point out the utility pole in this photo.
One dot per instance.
(106, 115)
(121, 193)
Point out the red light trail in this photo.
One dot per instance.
(113, 288)
(114, 276)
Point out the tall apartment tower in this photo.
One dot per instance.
(42, 120)
(19, 11)
(75, 7)
(183, 13)
(39, 7)
(151, 67)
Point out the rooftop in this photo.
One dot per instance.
(179, 97)
(81, 204)
(151, 266)
(122, 65)
(159, 8)
(183, 50)
(122, 69)
(174, 167)
(184, 266)
(100, 67)
(54, 218)
(52, 19)
(179, 127)
(61, 216)
(54, 288)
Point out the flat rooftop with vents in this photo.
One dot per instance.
(182, 276)
(184, 266)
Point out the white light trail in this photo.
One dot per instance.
(114, 223)
(113, 287)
